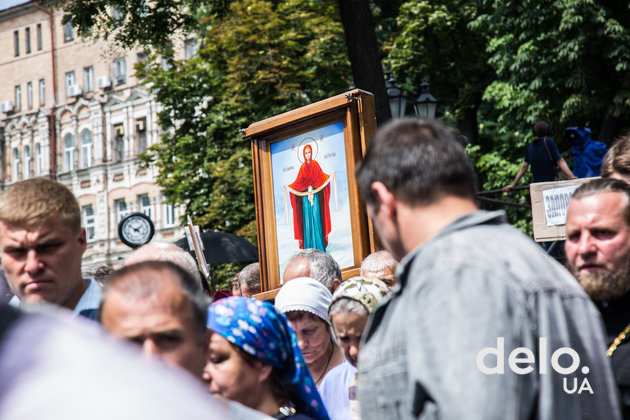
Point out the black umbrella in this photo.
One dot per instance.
(223, 247)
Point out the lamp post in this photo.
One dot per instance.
(425, 105)
(397, 100)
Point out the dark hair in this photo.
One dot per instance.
(542, 129)
(418, 161)
(618, 158)
(281, 388)
(139, 281)
(602, 185)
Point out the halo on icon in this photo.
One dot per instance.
(307, 141)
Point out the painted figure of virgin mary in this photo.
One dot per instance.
(310, 196)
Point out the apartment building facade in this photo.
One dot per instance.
(72, 109)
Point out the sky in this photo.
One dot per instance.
(6, 4)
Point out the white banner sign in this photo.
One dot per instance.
(556, 201)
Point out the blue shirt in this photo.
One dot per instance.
(543, 166)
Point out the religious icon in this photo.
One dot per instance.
(310, 182)
(310, 201)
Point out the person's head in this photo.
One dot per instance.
(234, 285)
(249, 280)
(598, 238)
(163, 251)
(415, 164)
(161, 307)
(254, 358)
(616, 163)
(100, 273)
(308, 153)
(380, 265)
(315, 264)
(305, 302)
(349, 310)
(542, 129)
(42, 242)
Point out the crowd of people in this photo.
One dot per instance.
(460, 316)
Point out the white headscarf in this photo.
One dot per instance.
(304, 294)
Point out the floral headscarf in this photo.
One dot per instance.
(365, 290)
(263, 332)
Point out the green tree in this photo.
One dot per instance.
(434, 40)
(571, 58)
(258, 61)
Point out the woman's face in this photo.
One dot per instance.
(307, 153)
(313, 336)
(228, 375)
(349, 328)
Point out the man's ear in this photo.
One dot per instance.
(385, 199)
(335, 283)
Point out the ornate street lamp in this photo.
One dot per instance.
(397, 100)
(425, 105)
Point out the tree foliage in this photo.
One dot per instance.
(258, 61)
(434, 41)
(572, 57)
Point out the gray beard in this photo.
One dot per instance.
(604, 286)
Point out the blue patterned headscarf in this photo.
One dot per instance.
(263, 332)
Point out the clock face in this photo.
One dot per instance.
(136, 229)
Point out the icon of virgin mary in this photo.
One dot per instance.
(310, 196)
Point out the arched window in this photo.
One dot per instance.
(86, 148)
(39, 159)
(27, 162)
(15, 167)
(68, 152)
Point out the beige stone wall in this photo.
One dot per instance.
(108, 176)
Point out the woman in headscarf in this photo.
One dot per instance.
(349, 311)
(305, 302)
(311, 211)
(254, 359)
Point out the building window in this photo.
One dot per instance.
(18, 98)
(120, 70)
(68, 152)
(27, 40)
(144, 204)
(29, 94)
(40, 39)
(141, 135)
(121, 209)
(88, 78)
(190, 48)
(119, 147)
(86, 148)
(42, 92)
(88, 221)
(68, 32)
(168, 214)
(27, 162)
(70, 81)
(15, 167)
(39, 159)
(16, 43)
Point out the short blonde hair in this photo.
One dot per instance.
(32, 202)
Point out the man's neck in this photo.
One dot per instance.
(418, 224)
(75, 296)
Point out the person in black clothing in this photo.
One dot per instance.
(598, 255)
(543, 156)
